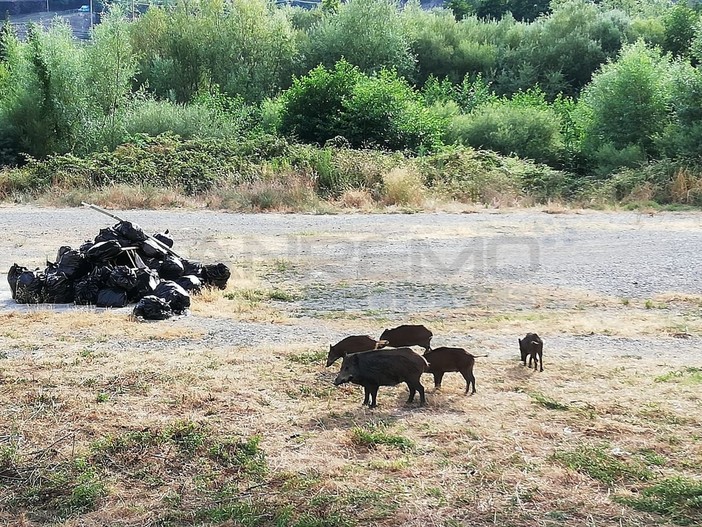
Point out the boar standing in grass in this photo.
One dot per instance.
(444, 359)
(408, 335)
(533, 347)
(353, 344)
(387, 367)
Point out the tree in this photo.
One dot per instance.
(680, 23)
(366, 33)
(626, 104)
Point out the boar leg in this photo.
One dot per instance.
(541, 361)
(437, 379)
(470, 379)
(366, 398)
(374, 395)
(414, 387)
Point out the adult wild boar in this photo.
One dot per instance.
(386, 367)
(445, 359)
(408, 335)
(533, 347)
(353, 344)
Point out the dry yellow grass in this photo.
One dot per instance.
(70, 384)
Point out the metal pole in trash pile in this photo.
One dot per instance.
(115, 217)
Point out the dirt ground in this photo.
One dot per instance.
(616, 297)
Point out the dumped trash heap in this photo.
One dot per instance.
(122, 265)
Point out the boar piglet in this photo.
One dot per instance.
(445, 359)
(386, 367)
(353, 344)
(408, 335)
(533, 347)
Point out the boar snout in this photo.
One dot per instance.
(341, 379)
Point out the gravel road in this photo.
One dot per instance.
(403, 263)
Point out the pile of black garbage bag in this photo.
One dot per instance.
(122, 265)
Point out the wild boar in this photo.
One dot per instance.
(408, 335)
(353, 344)
(445, 359)
(533, 347)
(386, 367)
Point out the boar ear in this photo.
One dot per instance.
(330, 347)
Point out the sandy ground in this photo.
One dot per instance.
(358, 273)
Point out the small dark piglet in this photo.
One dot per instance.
(387, 367)
(408, 335)
(353, 344)
(533, 347)
(442, 360)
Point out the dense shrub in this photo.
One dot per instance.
(446, 48)
(626, 105)
(246, 47)
(366, 33)
(518, 126)
(380, 110)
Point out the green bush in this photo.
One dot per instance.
(200, 120)
(380, 110)
(511, 129)
(312, 106)
(246, 47)
(626, 105)
(366, 33)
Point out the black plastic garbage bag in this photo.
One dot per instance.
(147, 281)
(85, 291)
(58, 288)
(176, 296)
(151, 249)
(130, 231)
(164, 238)
(87, 288)
(111, 297)
(171, 268)
(85, 246)
(72, 264)
(192, 284)
(152, 308)
(110, 234)
(104, 251)
(153, 263)
(216, 275)
(192, 267)
(61, 251)
(29, 288)
(122, 277)
(12, 275)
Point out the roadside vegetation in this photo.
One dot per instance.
(247, 106)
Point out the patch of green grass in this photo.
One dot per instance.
(102, 397)
(281, 264)
(87, 490)
(548, 402)
(689, 375)
(600, 464)
(310, 357)
(256, 296)
(373, 436)
(303, 392)
(245, 455)
(187, 435)
(677, 498)
(243, 513)
(651, 457)
(130, 441)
